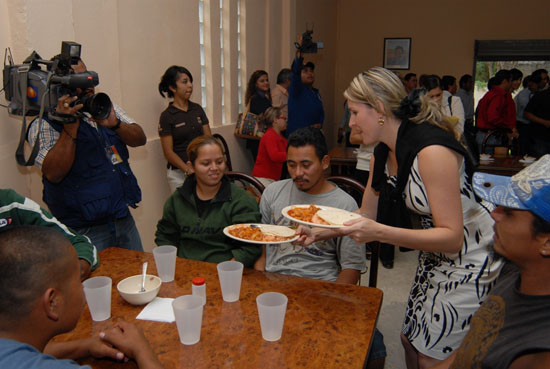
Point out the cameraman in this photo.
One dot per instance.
(88, 183)
(305, 107)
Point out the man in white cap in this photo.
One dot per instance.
(512, 327)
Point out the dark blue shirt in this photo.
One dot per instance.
(305, 107)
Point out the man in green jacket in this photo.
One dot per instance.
(18, 210)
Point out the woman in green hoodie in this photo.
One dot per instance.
(197, 212)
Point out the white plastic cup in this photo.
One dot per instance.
(98, 296)
(272, 310)
(230, 274)
(165, 260)
(188, 314)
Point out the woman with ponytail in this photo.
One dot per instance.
(456, 269)
(180, 123)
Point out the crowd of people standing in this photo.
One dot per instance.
(415, 151)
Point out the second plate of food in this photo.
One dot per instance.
(318, 215)
(261, 234)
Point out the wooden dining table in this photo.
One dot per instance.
(504, 166)
(342, 160)
(327, 325)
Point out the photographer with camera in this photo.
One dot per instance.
(88, 183)
(305, 107)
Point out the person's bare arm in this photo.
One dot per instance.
(260, 263)
(206, 130)
(349, 276)
(85, 269)
(60, 158)
(440, 174)
(445, 364)
(369, 204)
(130, 133)
(78, 349)
(129, 339)
(167, 143)
(368, 208)
(537, 360)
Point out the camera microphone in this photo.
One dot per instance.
(78, 80)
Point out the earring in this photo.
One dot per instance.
(381, 121)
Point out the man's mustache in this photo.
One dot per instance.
(300, 179)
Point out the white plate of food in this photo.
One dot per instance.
(485, 157)
(260, 234)
(318, 215)
(527, 160)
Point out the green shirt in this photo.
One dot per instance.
(200, 236)
(18, 210)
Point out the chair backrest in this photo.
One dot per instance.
(349, 185)
(356, 190)
(225, 150)
(502, 141)
(247, 182)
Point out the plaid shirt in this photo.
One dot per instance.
(48, 135)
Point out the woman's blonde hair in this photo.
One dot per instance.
(379, 85)
(269, 116)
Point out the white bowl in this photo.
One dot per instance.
(129, 289)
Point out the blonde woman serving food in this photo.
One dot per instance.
(455, 270)
(180, 123)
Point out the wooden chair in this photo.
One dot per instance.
(501, 136)
(225, 150)
(356, 190)
(247, 182)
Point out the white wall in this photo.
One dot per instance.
(130, 44)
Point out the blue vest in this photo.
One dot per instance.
(95, 191)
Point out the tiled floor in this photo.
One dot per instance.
(395, 283)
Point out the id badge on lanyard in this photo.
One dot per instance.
(112, 155)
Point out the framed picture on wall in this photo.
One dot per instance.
(397, 53)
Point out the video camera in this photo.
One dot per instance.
(308, 46)
(32, 90)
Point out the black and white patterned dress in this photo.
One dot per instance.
(449, 288)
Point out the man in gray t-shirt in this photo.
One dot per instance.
(338, 259)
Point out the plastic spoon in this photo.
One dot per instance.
(144, 273)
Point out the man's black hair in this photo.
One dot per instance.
(309, 136)
(516, 74)
(540, 226)
(431, 81)
(447, 81)
(526, 81)
(30, 260)
(408, 76)
(283, 76)
(501, 75)
(465, 79)
(536, 76)
(422, 79)
(492, 82)
(309, 65)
